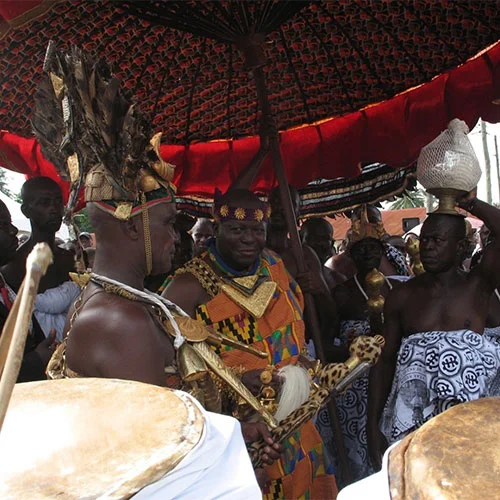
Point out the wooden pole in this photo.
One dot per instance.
(498, 166)
(310, 308)
(487, 163)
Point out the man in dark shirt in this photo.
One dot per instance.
(38, 348)
(43, 206)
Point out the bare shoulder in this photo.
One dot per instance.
(185, 282)
(187, 292)
(113, 337)
(106, 327)
(402, 291)
(109, 318)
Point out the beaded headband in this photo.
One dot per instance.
(224, 210)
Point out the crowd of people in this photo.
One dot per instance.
(236, 274)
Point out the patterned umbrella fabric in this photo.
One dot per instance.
(335, 72)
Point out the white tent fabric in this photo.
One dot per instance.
(22, 223)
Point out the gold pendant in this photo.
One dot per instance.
(123, 210)
(193, 330)
(255, 304)
(81, 279)
(247, 282)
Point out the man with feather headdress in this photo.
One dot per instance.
(99, 140)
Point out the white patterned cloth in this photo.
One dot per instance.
(352, 411)
(437, 370)
(493, 335)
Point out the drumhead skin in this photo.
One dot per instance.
(90, 438)
(455, 455)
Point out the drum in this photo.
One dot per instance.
(92, 438)
(455, 455)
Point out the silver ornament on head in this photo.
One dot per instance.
(448, 167)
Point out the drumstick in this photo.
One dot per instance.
(16, 327)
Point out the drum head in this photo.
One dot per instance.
(455, 455)
(91, 438)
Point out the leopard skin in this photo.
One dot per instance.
(362, 349)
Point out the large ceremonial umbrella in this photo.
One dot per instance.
(338, 78)
(309, 63)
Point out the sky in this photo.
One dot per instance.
(475, 138)
(16, 180)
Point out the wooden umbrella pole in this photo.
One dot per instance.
(310, 307)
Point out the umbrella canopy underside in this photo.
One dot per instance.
(331, 58)
(338, 74)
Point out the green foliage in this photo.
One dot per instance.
(82, 221)
(409, 199)
(4, 184)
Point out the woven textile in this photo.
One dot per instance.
(304, 470)
(437, 370)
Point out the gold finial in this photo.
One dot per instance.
(40, 258)
(413, 249)
(374, 281)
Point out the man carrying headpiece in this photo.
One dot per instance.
(435, 355)
(101, 142)
(242, 290)
(356, 300)
(367, 223)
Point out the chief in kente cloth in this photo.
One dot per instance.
(244, 291)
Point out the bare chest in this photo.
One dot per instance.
(456, 308)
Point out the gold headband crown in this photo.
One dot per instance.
(362, 228)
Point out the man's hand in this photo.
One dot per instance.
(467, 199)
(377, 444)
(257, 431)
(251, 379)
(46, 348)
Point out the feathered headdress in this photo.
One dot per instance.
(97, 137)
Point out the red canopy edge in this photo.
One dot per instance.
(16, 14)
(391, 132)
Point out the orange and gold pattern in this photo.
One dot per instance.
(304, 470)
